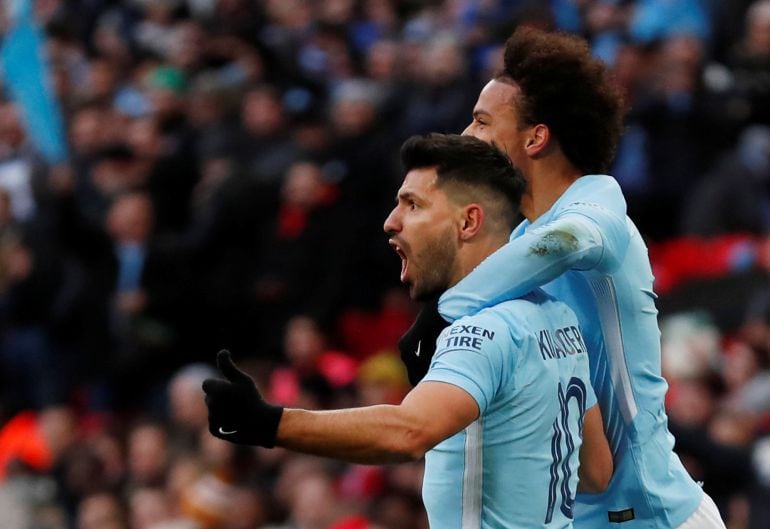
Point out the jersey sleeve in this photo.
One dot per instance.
(583, 237)
(474, 354)
(607, 224)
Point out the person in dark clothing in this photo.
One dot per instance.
(29, 280)
(735, 196)
(127, 297)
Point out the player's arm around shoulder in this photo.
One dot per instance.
(531, 259)
(596, 464)
(601, 236)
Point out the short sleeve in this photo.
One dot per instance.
(475, 354)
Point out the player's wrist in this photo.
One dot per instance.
(263, 429)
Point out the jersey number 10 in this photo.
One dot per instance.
(560, 466)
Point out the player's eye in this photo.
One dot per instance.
(412, 205)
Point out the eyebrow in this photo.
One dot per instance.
(404, 195)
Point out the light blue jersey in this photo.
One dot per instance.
(526, 364)
(586, 252)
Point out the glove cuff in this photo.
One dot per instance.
(271, 418)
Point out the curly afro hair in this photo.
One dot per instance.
(566, 88)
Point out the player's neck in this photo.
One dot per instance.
(547, 180)
(472, 253)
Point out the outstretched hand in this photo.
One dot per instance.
(237, 411)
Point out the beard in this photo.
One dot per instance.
(434, 265)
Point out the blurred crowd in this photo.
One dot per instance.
(230, 166)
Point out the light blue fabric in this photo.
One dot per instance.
(586, 252)
(26, 76)
(131, 257)
(659, 19)
(525, 363)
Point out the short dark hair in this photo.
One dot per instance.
(564, 87)
(472, 169)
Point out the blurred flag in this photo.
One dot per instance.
(25, 77)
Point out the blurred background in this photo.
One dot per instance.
(180, 176)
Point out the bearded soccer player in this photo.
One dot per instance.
(558, 117)
(505, 412)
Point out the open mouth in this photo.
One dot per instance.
(404, 260)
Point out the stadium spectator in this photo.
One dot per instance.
(734, 197)
(211, 108)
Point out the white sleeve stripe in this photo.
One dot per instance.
(473, 475)
(607, 305)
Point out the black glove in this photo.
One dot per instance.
(237, 411)
(418, 344)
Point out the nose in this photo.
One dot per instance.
(467, 131)
(393, 222)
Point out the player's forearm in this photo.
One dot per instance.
(596, 464)
(374, 434)
(525, 263)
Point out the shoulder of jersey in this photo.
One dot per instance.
(473, 332)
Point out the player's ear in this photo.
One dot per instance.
(471, 222)
(538, 139)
